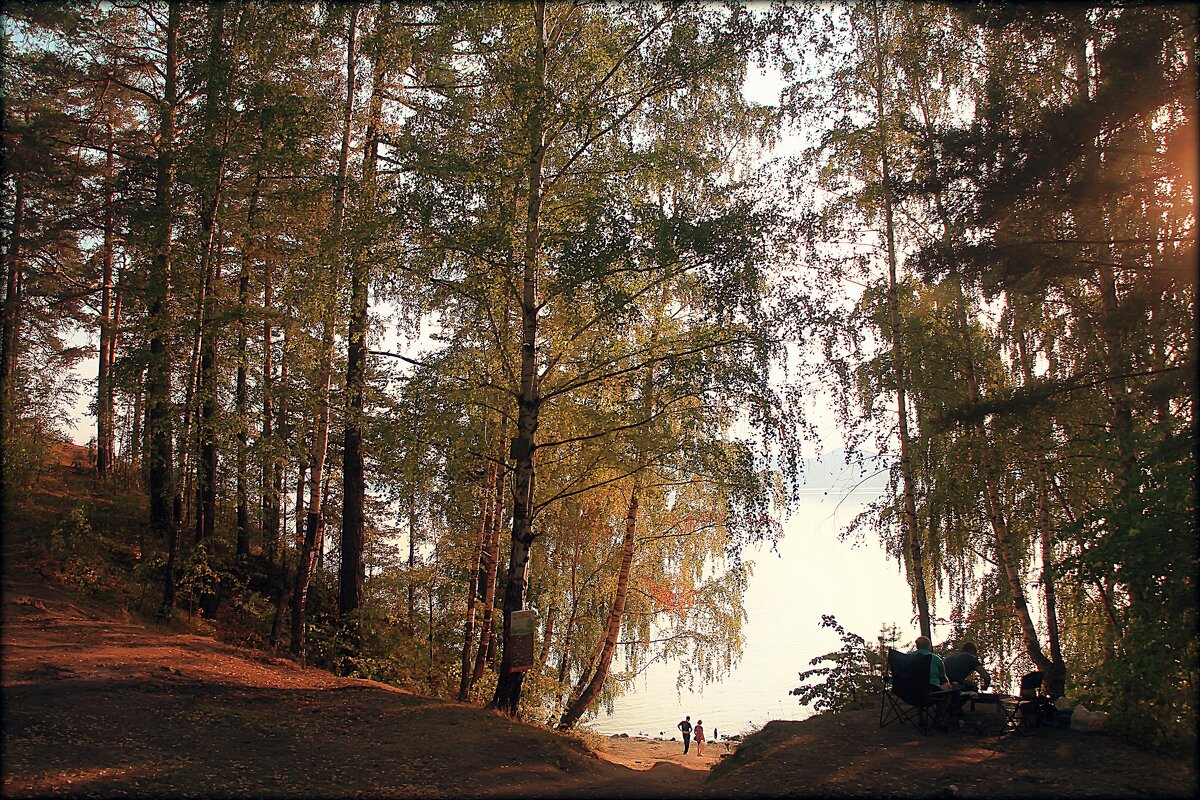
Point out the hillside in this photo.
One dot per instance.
(97, 704)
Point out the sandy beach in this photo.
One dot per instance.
(89, 696)
(640, 752)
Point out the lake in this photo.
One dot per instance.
(813, 574)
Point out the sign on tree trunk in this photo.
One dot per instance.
(521, 641)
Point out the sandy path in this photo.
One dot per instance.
(641, 753)
(99, 706)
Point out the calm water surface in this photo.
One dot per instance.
(813, 574)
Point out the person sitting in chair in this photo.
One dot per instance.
(961, 664)
(937, 669)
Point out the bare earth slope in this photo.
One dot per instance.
(98, 707)
(850, 755)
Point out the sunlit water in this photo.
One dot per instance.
(813, 574)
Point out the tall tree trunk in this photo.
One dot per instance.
(486, 510)
(603, 660)
(158, 377)
(1056, 677)
(301, 482)
(114, 333)
(104, 393)
(250, 251)
(135, 424)
(899, 364)
(210, 268)
(206, 385)
(489, 568)
(612, 627)
(241, 402)
(272, 468)
(353, 478)
(314, 524)
(321, 538)
(1005, 548)
(982, 456)
(507, 697)
(412, 564)
(1054, 667)
(429, 629)
(1113, 326)
(1113, 329)
(10, 338)
(182, 506)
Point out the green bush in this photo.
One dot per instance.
(849, 678)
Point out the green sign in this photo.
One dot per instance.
(520, 641)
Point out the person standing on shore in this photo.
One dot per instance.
(686, 727)
(699, 737)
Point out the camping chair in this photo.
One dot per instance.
(1024, 712)
(907, 693)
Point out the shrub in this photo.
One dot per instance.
(849, 678)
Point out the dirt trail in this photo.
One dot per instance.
(95, 705)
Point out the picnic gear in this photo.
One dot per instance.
(908, 695)
(1025, 712)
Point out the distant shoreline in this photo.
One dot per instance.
(646, 737)
(643, 753)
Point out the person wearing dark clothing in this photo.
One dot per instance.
(938, 682)
(937, 670)
(686, 727)
(961, 664)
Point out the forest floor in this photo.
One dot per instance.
(98, 705)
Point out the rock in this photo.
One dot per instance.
(1087, 721)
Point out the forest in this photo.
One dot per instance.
(393, 320)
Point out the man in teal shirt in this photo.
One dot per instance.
(937, 669)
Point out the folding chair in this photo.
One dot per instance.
(1024, 712)
(907, 693)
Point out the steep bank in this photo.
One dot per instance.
(848, 754)
(95, 705)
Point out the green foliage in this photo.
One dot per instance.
(198, 576)
(1044, 229)
(1035, 177)
(849, 678)
(88, 550)
(1149, 682)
